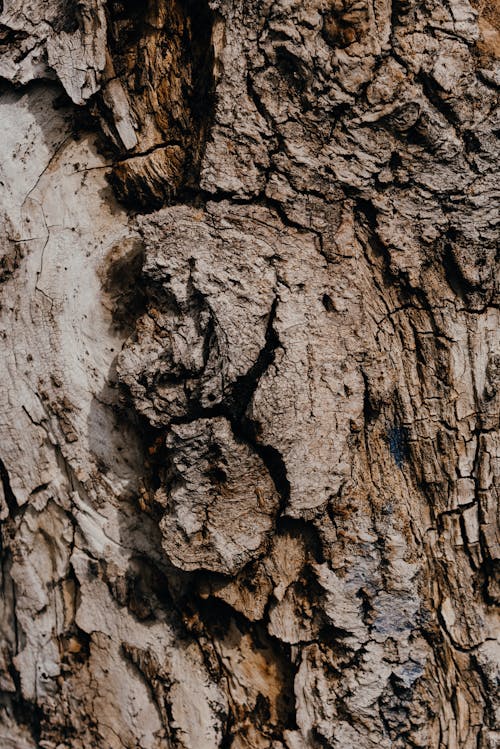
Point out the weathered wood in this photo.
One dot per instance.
(249, 333)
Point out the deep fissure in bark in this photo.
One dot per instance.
(161, 70)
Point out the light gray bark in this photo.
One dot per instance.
(249, 333)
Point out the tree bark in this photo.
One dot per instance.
(249, 333)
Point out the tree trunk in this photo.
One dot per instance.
(250, 358)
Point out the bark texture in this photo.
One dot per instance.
(250, 360)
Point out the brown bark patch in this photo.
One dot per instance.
(156, 105)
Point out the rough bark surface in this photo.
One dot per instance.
(250, 359)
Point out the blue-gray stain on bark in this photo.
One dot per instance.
(398, 443)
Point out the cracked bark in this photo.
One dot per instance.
(250, 365)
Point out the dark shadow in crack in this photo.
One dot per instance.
(162, 64)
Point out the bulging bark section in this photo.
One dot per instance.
(250, 438)
(220, 501)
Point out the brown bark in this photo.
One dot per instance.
(250, 364)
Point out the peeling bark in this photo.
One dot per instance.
(249, 338)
